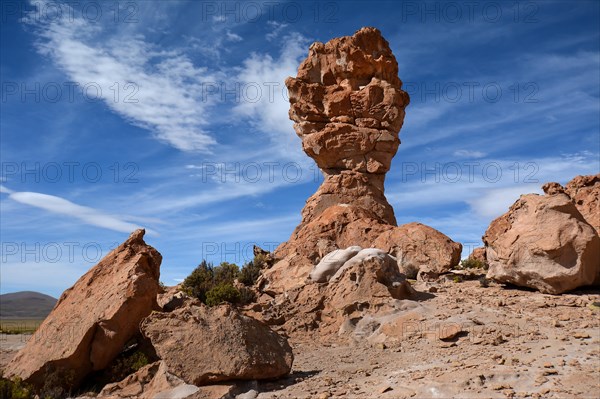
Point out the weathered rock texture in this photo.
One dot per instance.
(93, 320)
(150, 381)
(367, 283)
(543, 242)
(331, 263)
(201, 345)
(585, 192)
(420, 247)
(478, 254)
(348, 107)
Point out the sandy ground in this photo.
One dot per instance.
(512, 343)
(9, 345)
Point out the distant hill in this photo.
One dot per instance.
(25, 305)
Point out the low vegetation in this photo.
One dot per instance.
(127, 364)
(471, 263)
(19, 326)
(15, 389)
(226, 282)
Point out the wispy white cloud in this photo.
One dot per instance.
(5, 190)
(159, 91)
(487, 186)
(269, 113)
(233, 37)
(87, 215)
(276, 29)
(494, 202)
(251, 229)
(469, 154)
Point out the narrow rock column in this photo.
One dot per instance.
(348, 108)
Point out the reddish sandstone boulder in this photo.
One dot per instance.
(543, 242)
(93, 320)
(420, 247)
(202, 345)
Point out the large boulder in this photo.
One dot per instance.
(367, 283)
(418, 247)
(203, 345)
(370, 277)
(543, 242)
(339, 226)
(478, 255)
(93, 320)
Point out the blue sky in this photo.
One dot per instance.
(172, 115)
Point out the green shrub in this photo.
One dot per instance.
(224, 292)
(250, 273)
(213, 285)
(15, 389)
(59, 383)
(471, 263)
(252, 270)
(263, 261)
(225, 273)
(247, 295)
(200, 281)
(127, 364)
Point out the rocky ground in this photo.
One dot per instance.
(507, 343)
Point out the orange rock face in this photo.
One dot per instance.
(202, 345)
(93, 320)
(348, 107)
(543, 242)
(585, 192)
(420, 247)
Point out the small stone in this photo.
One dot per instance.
(385, 388)
(540, 379)
(251, 394)
(447, 344)
(449, 332)
(556, 323)
(498, 339)
(581, 335)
